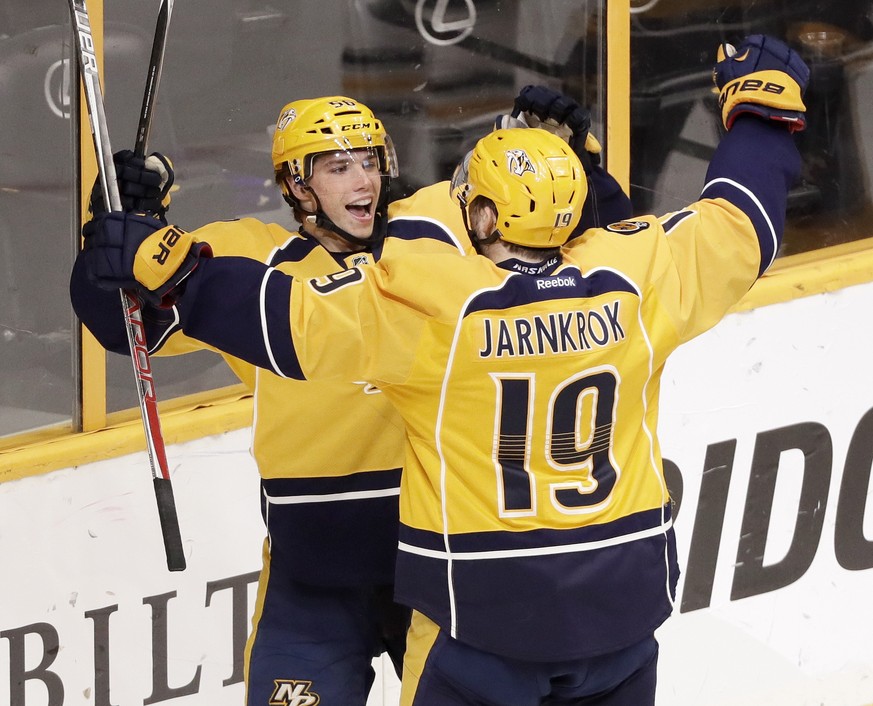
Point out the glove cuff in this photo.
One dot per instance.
(160, 256)
(794, 121)
(771, 94)
(173, 290)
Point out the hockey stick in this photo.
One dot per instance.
(153, 78)
(145, 385)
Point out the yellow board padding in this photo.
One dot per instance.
(813, 272)
(181, 420)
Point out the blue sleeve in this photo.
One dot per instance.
(101, 312)
(606, 202)
(242, 307)
(754, 166)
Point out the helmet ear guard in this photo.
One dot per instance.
(460, 190)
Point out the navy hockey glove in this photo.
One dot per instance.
(762, 76)
(143, 184)
(546, 108)
(135, 252)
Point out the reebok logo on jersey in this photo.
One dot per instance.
(556, 282)
(293, 692)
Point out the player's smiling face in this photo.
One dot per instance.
(347, 185)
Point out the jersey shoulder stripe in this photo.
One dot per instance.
(415, 228)
(670, 221)
(431, 214)
(295, 249)
(569, 283)
(743, 198)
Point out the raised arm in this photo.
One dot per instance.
(761, 84)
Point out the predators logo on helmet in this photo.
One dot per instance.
(518, 162)
(286, 117)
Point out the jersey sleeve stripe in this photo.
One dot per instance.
(768, 240)
(753, 167)
(275, 298)
(171, 327)
(259, 301)
(673, 220)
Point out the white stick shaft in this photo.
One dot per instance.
(145, 385)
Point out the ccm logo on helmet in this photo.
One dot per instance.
(357, 126)
(749, 84)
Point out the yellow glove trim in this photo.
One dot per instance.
(160, 255)
(775, 89)
(592, 144)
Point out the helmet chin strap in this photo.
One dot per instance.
(320, 220)
(380, 223)
(479, 243)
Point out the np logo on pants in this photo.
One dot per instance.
(293, 692)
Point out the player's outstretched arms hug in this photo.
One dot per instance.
(238, 306)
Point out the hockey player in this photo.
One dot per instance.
(536, 543)
(329, 453)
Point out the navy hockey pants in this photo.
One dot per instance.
(315, 644)
(440, 671)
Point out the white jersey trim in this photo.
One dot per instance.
(265, 332)
(172, 328)
(438, 434)
(536, 551)
(331, 497)
(757, 203)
